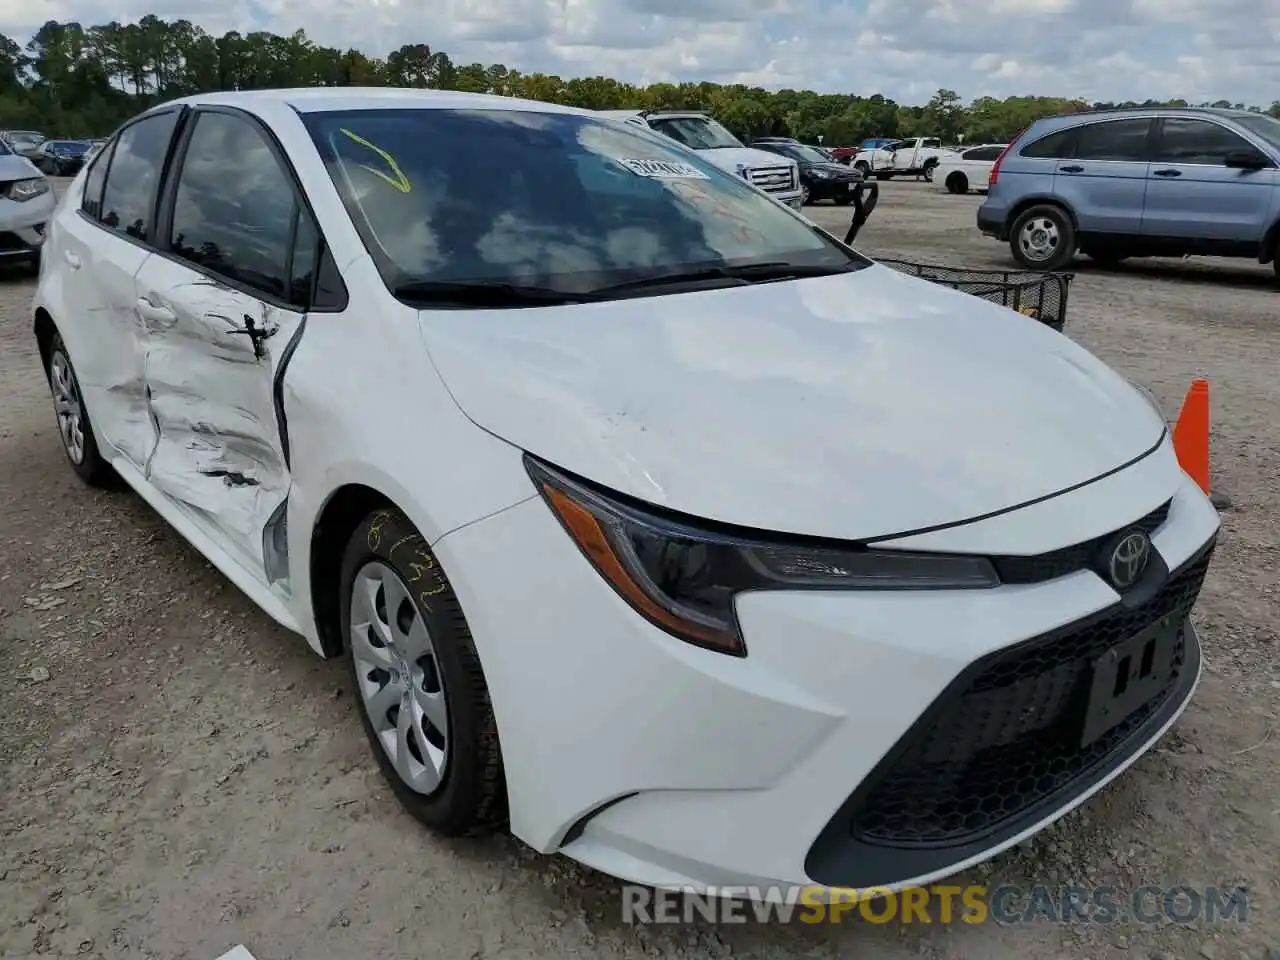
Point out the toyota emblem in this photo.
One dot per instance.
(1129, 559)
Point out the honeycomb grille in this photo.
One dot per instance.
(1079, 556)
(1010, 738)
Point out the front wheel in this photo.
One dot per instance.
(74, 428)
(862, 167)
(423, 698)
(805, 195)
(1043, 238)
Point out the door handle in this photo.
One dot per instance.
(73, 260)
(153, 314)
(1167, 173)
(1071, 169)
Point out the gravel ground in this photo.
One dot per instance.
(180, 776)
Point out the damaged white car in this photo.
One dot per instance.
(650, 518)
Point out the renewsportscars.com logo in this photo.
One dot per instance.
(1008, 904)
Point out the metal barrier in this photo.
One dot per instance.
(1042, 296)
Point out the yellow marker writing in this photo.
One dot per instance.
(399, 181)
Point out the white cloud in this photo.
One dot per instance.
(905, 49)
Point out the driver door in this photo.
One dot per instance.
(222, 305)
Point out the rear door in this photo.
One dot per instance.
(226, 298)
(103, 242)
(1105, 180)
(1193, 194)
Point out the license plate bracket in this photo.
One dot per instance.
(1129, 675)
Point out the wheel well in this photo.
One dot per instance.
(45, 330)
(1270, 244)
(1027, 204)
(338, 520)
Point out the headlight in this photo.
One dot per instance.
(822, 174)
(27, 189)
(744, 171)
(683, 578)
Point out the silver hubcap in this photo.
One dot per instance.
(804, 194)
(66, 401)
(399, 679)
(1039, 239)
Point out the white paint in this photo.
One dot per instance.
(237, 953)
(853, 406)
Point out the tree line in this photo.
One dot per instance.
(70, 80)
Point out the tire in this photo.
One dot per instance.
(806, 195)
(457, 786)
(928, 169)
(957, 183)
(862, 167)
(74, 427)
(843, 199)
(1043, 238)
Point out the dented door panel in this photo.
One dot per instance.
(101, 295)
(219, 450)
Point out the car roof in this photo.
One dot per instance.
(1061, 121)
(321, 99)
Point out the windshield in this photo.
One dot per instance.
(590, 203)
(700, 133)
(1268, 128)
(803, 153)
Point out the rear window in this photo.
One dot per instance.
(565, 201)
(1055, 146)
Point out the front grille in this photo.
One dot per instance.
(773, 179)
(1078, 556)
(1008, 737)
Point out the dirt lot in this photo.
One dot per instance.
(180, 776)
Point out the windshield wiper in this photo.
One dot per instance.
(486, 293)
(750, 273)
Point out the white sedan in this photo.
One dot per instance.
(961, 171)
(650, 519)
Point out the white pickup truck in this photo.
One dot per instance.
(917, 157)
(777, 176)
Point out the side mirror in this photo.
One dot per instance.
(1246, 160)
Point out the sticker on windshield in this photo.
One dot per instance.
(663, 169)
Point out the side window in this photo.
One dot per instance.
(1114, 140)
(1056, 146)
(930, 144)
(128, 199)
(1184, 140)
(233, 211)
(306, 256)
(94, 181)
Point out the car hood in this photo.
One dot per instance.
(13, 167)
(729, 157)
(855, 406)
(835, 169)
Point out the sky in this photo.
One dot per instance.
(1200, 50)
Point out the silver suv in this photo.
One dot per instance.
(1138, 183)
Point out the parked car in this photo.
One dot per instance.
(24, 143)
(95, 146)
(916, 157)
(638, 506)
(820, 177)
(843, 154)
(960, 171)
(697, 131)
(1138, 183)
(26, 203)
(61, 158)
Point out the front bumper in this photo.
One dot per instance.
(831, 189)
(22, 225)
(667, 765)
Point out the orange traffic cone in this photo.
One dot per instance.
(1191, 433)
